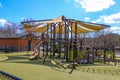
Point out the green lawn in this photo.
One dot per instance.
(18, 64)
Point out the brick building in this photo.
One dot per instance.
(16, 42)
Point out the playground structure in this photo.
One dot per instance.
(63, 36)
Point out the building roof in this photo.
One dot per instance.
(11, 35)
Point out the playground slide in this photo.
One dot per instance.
(34, 57)
(36, 52)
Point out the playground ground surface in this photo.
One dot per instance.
(18, 64)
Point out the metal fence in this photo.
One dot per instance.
(6, 76)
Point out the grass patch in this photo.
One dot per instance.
(18, 64)
(3, 57)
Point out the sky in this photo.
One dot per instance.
(96, 11)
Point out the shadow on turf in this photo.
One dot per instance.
(25, 60)
(61, 69)
(99, 71)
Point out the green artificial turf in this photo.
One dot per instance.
(18, 64)
(3, 57)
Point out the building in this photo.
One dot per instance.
(16, 42)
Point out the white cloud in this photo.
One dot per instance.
(87, 18)
(1, 5)
(114, 18)
(4, 22)
(111, 19)
(115, 29)
(99, 20)
(95, 5)
(93, 21)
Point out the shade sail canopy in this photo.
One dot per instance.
(27, 26)
(91, 26)
(64, 23)
(41, 29)
(80, 29)
(69, 28)
(56, 20)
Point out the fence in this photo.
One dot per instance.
(6, 76)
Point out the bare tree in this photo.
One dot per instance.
(9, 28)
(113, 40)
(81, 39)
(103, 36)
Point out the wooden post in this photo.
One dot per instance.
(43, 46)
(46, 45)
(71, 37)
(67, 41)
(54, 37)
(51, 40)
(75, 43)
(60, 29)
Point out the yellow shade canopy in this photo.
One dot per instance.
(58, 30)
(82, 27)
(41, 29)
(56, 20)
(27, 26)
(71, 28)
(31, 26)
(91, 26)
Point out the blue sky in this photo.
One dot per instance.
(97, 11)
